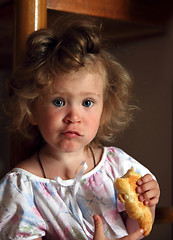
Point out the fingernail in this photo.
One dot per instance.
(95, 218)
(139, 189)
(139, 182)
(141, 231)
(141, 198)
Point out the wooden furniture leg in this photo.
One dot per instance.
(30, 15)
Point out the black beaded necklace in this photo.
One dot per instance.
(44, 174)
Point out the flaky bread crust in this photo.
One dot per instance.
(126, 187)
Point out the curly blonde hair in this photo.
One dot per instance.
(71, 44)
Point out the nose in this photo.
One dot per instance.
(73, 116)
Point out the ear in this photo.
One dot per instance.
(32, 119)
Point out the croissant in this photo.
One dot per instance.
(126, 187)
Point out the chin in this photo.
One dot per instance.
(70, 147)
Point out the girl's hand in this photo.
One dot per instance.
(148, 190)
(99, 234)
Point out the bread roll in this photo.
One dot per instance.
(126, 187)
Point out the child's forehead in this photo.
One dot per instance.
(79, 76)
(79, 82)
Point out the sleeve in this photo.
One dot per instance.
(19, 217)
(126, 162)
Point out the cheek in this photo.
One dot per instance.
(48, 129)
(93, 124)
(47, 122)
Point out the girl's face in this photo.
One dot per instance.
(69, 116)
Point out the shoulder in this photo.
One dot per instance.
(122, 162)
(114, 153)
(30, 165)
(118, 160)
(14, 185)
(118, 154)
(27, 164)
(20, 181)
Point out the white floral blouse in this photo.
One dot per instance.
(32, 207)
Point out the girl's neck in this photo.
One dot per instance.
(64, 165)
(58, 156)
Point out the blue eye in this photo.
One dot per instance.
(87, 103)
(59, 102)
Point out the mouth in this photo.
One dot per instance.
(71, 134)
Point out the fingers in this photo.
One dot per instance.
(134, 236)
(148, 190)
(99, 233)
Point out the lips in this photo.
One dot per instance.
(71, 134)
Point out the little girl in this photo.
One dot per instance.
(71, 97)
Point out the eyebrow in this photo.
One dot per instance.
(90, 93)
(82, 93)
